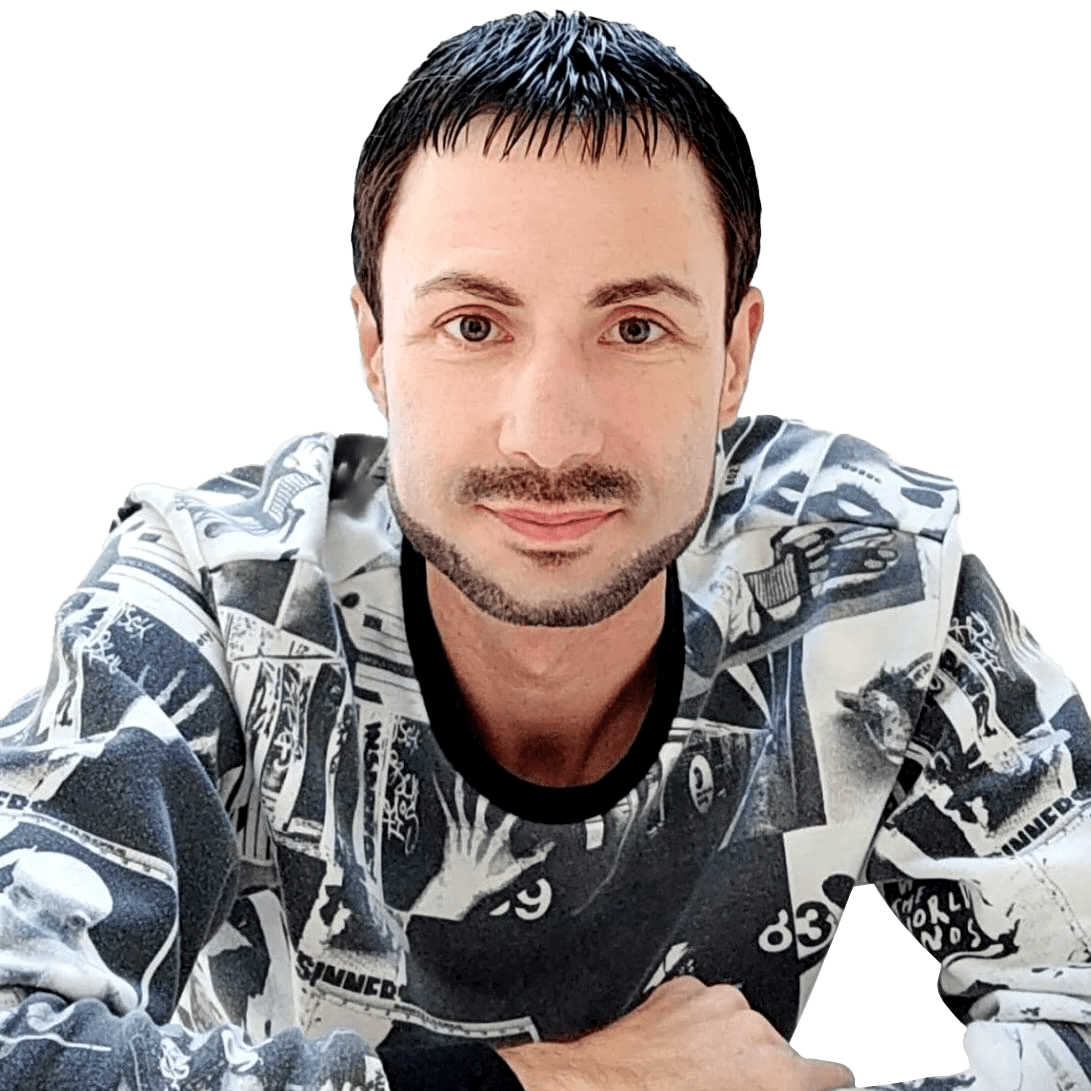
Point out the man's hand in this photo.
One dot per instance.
(477, 861)
(685, 1037)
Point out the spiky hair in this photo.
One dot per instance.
(536, 76)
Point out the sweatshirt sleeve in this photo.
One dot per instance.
(118, 859)
(983, 853)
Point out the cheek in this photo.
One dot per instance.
(427, 429)
(695, 457)
(694, 423)
(425, 398)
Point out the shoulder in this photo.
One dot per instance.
(773, 473)
(263, 511)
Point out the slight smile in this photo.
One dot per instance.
(552, 526)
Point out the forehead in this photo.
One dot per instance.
(558, 208)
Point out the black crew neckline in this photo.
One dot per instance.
(449, 723)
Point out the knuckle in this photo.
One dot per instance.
(773, 1069)
(754, 1027)
(838, 1076)
(682, 984)
(728, 997)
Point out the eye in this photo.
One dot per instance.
(471, 328)
(635, 330)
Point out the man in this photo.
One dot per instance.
(580, 685)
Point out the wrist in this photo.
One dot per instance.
(550, 1066)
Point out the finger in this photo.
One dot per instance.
(827, 1075)
(509, 868)
(464, 833)
(863, 573)
(682, 985)
(537, 856)
(503, 831)
(732, 994)
(479, 833)
(860, 535)
(443, 804)
(460, 800)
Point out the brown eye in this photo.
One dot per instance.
(473, 327)
(634, 331)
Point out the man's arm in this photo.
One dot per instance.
(119, 859)
(983, 854)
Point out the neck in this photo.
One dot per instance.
(556, 706)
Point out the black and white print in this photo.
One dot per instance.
(236, 809)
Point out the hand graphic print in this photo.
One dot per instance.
(477, 861)
(812, 563)
(854, 556)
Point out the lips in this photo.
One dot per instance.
(552, 526)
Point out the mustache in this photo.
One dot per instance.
(601, 484)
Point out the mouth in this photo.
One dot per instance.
(552, 526)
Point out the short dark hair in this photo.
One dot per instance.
(535, 70)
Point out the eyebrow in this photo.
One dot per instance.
(607, 295)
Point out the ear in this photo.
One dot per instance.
(740, 351)
(371, 348)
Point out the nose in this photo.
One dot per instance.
(551, 412)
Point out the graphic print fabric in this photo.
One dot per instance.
(247, 839)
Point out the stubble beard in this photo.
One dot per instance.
(586, 609)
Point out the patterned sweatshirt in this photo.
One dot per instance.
(248, 839)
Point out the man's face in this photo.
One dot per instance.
(553, 346)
